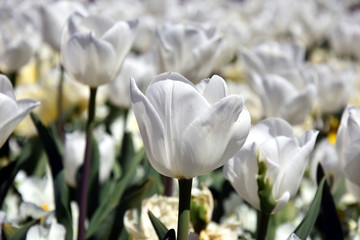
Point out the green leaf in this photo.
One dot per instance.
(118, 188)
(94, 184)
(306, 225)
(170, 235)
(160, 229)
(52, 145)
(133, 197)
(62, 204)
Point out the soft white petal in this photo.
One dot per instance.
(121, 37)
(88, 60)
(15, 113)
(6, 87)
(206, 138)
(241, 171)
(213, 89)
(300, 107)
(151, 130)
(177, 103)
(281, 202)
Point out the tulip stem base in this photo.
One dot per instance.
(184, 208)
(84, 185)
(262, 225)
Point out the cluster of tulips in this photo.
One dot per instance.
(252, 107)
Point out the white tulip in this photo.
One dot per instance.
(188, 49)
(189, 130)
(272, 145)
(12, 111)
(74, 155)
(93, 48)
(348, 144)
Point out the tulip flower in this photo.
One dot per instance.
(12, 111)
(74, 155)
(272, 152)
(189, 130)
(54, 16)
(332, 81)
(188, 49)
(16, 45)
(281, 98)
(93, 48)
(348, 144)
(273, 57)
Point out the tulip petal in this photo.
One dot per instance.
(281, 202)
(206, 138)
(352, 165)
(121, 37)
(6, 87)
(151, 130)
(270, 128)
(177, 103)
(93, 62)
(241, 171)
(213, 89)
(299, 108)
(14, 114)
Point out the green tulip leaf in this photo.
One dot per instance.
(307, 224)
(94, 184)
(160, 229)
(130, 163)
(51, 143)
(133, 197)
(62, 204)
(170, 235)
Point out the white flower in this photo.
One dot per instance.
(53, 18)
(133, 67)
(74, 155)
(271, 143)
(189, 130)
(93, 48)
(12, 110)
(348, 144)
(187, 49)
(281, 98)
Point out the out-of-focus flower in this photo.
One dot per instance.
(280, 98)
(53, 19)
(38, 191)
(93, 48)
(344, 36)
(348, 144)
(273, 152)
(325, 154)
(133, 67)
(16, 45)
(12, 110)
(273, 58)
(189, 130)
(332, 82)
(187, 49)
(164, 208)
(74, 155)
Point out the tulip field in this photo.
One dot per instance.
(179, 119)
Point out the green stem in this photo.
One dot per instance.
(184, 208)
(60, 104)
(83, 203)
(262, 225)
